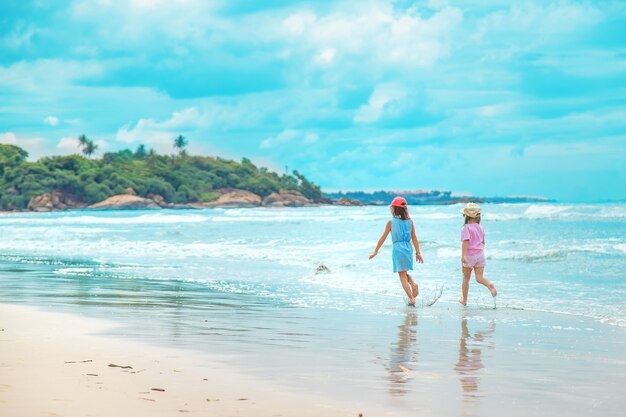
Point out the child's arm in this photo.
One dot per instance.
(418, 254)
(382, 239)
(464, 252)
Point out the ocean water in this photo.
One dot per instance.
(269, 287)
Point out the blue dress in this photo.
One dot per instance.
(402, 253)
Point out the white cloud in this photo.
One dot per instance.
(383, 96)
(51, 120)
(374, 37)
(283, 137)
(298, 23)
(325, 57)
(9, 138)
(141, 22)
(46, 74)
(68, 144)
(494, 110)
(535, 21)
(161, 134)
(289, 136)
(33, 145)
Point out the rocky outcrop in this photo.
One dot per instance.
(160, 201)
(55, 200)
(347, 202)
(287, 198)
(125, 202)
(232, 197)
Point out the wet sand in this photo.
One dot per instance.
(54, 364)
(444, 360)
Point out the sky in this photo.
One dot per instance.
(489, 98)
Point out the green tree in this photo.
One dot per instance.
(90, 148)
(11, 155)
(82, 141)
(180, 143)
(141, 152)
(307, 188)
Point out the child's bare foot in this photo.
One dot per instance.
(462, 301)
(492, 289)
(411, 302)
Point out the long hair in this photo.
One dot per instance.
(467, 219)
(401, 212)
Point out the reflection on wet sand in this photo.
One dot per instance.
(403, 358)
(470, 361)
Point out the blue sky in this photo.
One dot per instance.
(481, 97)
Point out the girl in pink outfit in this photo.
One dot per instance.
(473, 251)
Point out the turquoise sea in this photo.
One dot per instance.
(290, 296)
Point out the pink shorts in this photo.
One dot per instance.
(475, 261)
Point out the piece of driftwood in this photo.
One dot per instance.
(112, 365)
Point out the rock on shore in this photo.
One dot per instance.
(125, 201)
(347, 202)
(233, 197)
(229, 197)
(55, 200)
(287, 198)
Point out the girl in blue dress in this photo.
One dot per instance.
(402, 234)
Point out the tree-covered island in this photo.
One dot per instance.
(181, 180)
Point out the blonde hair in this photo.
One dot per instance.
(467, 218)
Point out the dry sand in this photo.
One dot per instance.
(54, 364)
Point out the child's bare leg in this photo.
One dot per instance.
(482, 280)
(467, 273)
(413, 285)
(405, 285)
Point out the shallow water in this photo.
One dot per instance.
(243, 282)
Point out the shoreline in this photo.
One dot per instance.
(58, 364)
(196, 207)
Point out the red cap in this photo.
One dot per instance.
(398, 202)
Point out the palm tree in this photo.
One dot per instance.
(180, 143)
(82, 141)
(90, 148)
(87, 146)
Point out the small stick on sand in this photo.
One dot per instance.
(112, 365)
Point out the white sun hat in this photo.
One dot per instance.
(471, 210)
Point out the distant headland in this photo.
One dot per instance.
(424, 197)
(144, 179)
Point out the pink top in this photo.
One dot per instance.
(475, 233)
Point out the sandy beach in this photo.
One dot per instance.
(54, 364)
